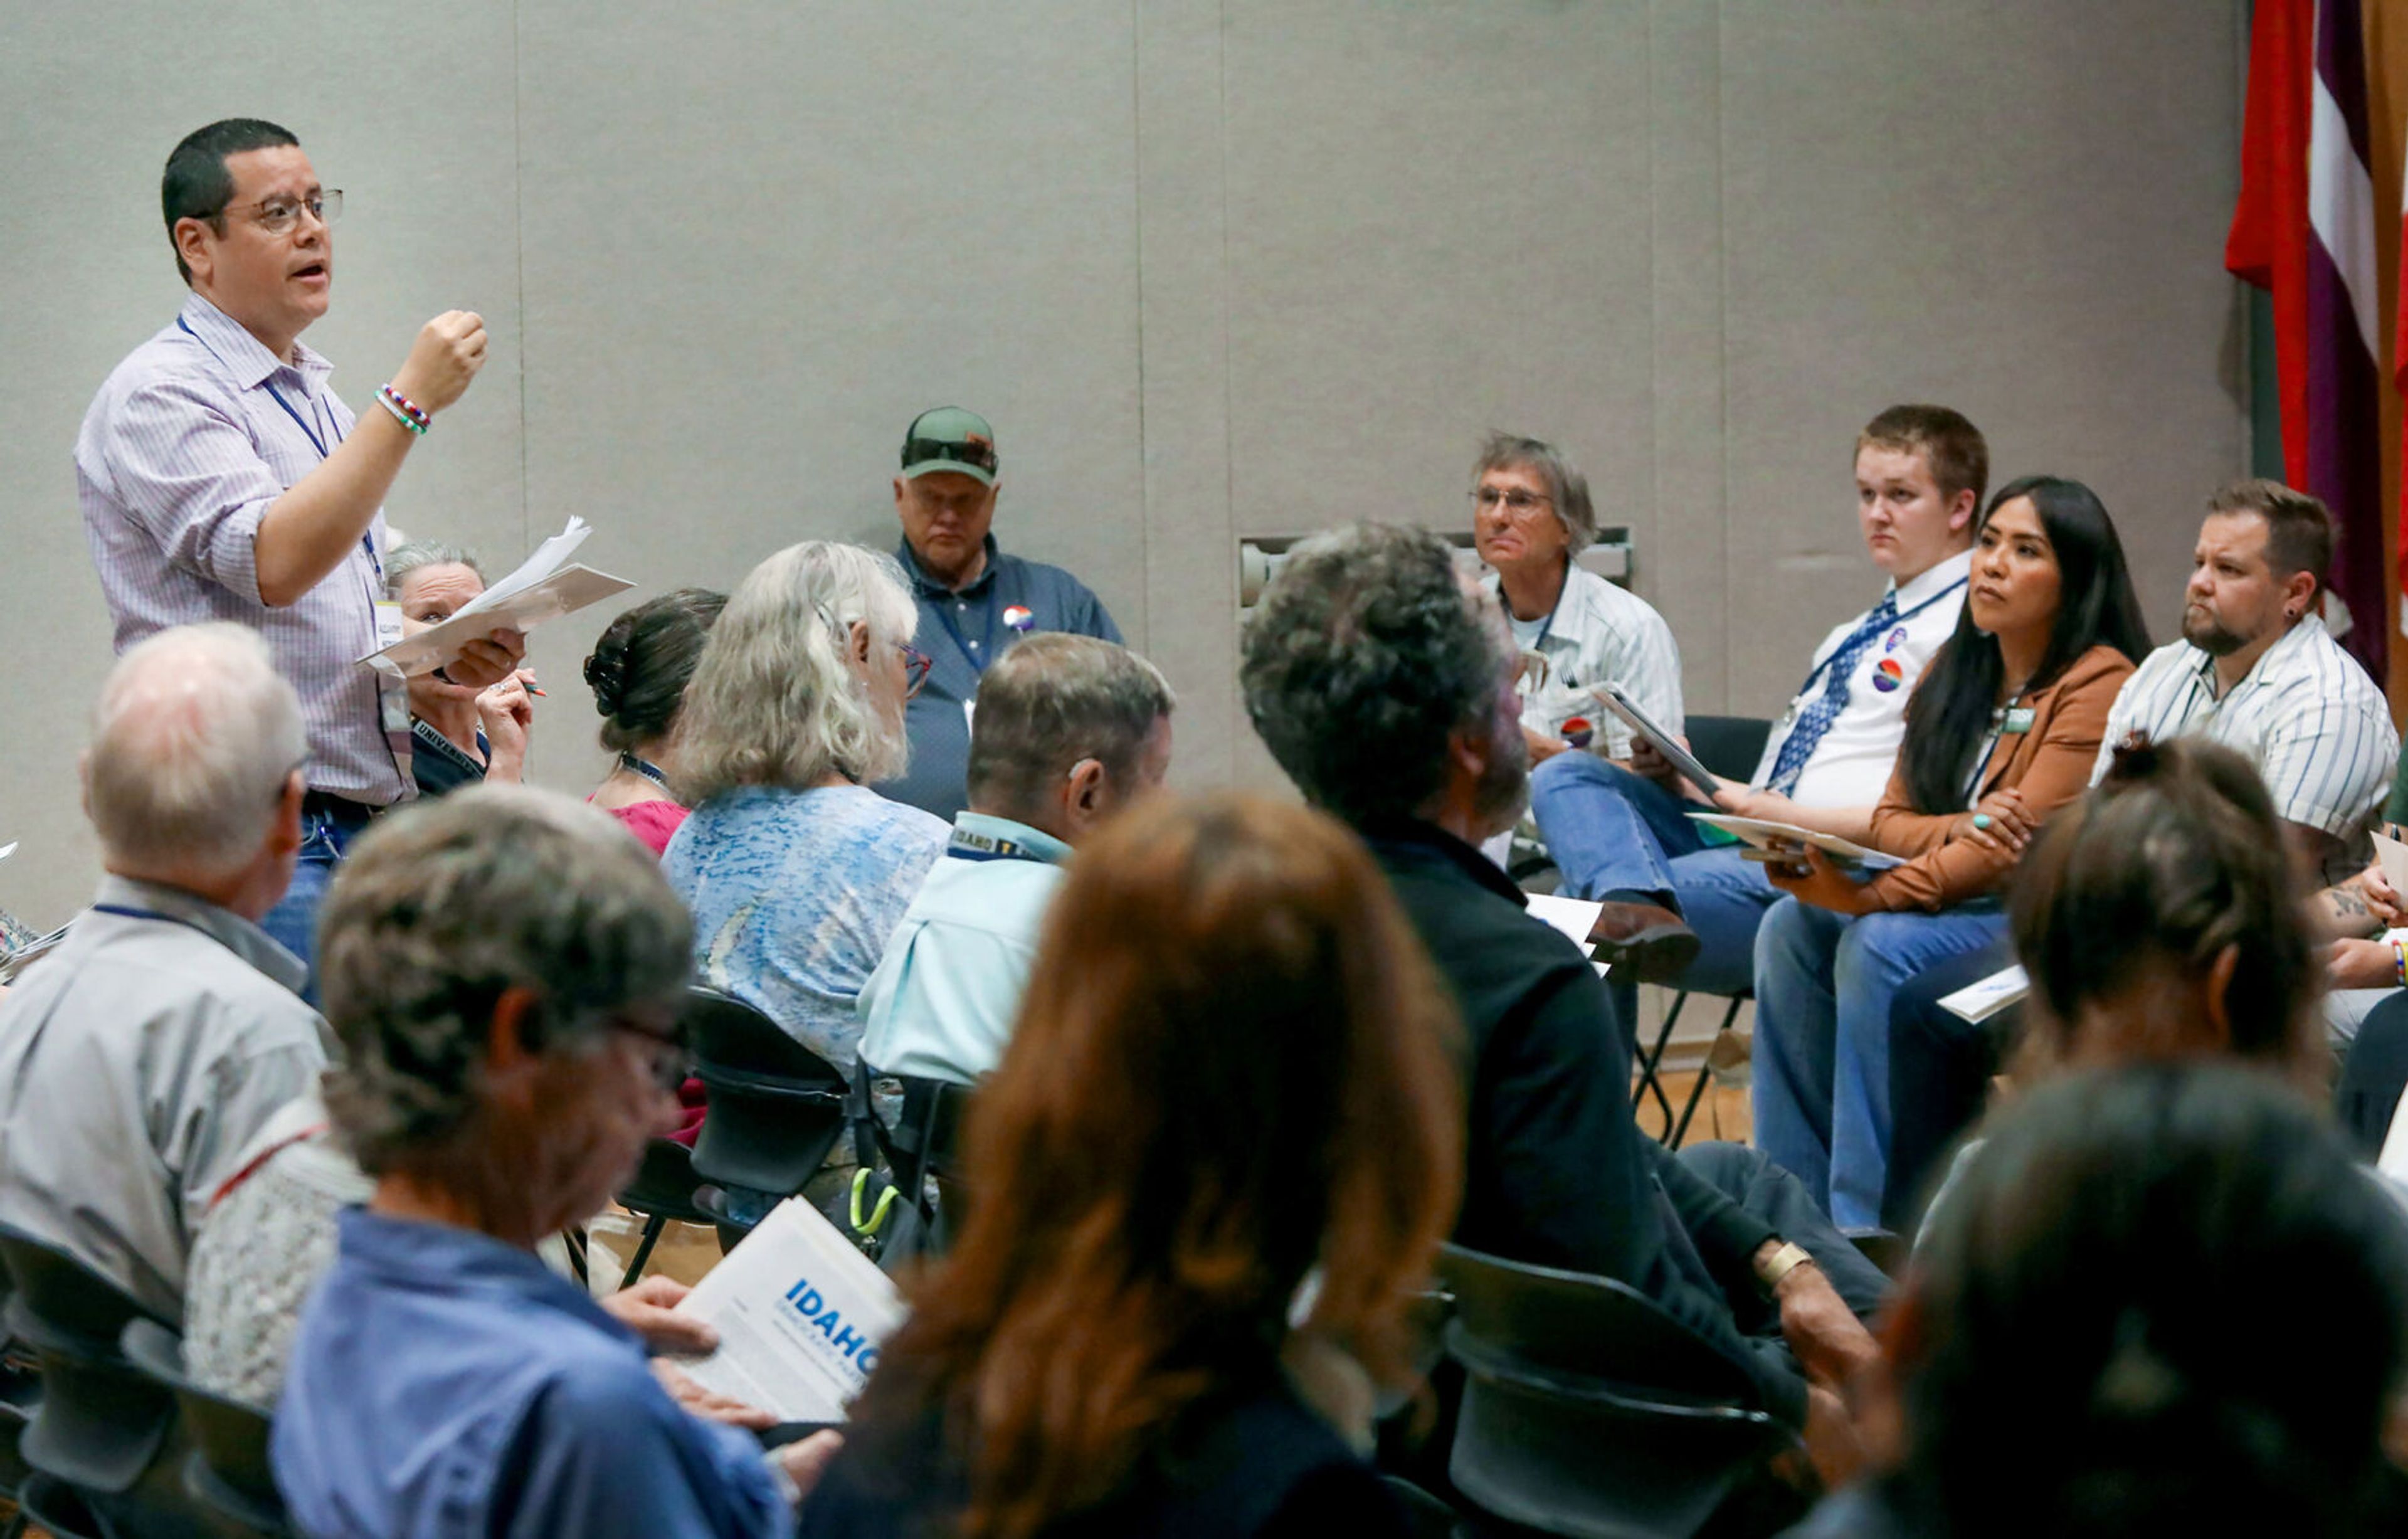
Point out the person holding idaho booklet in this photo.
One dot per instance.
(2002, 731)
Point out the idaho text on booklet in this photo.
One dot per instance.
(800, 1314)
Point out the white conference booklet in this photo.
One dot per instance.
(1978, 1001)
(800, 1314)
(1763, 834)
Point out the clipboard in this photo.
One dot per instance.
(1614, 699)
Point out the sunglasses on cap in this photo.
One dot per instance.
(976, 452)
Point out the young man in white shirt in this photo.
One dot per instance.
(1680, 910)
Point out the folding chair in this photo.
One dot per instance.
(1589, 1411)
(226, 1470)
(663, 1191)
(1730, 747)
(103, 1430)
(777, 1108)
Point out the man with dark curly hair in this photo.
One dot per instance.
(1384, 684)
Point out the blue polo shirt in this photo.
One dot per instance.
(447, 1386)
(964, 632)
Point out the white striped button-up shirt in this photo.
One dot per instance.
(1601, 634)
(2307, 715)
(182, 452)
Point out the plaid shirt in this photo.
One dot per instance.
(182, 452)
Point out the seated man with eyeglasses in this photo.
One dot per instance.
(1623, 835)
(222, 478)
(975, 600)
(1531, 516)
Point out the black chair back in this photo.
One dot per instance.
(52, 1505)
(105, 1428)
(922, 1147)
(1588, 1410)
(1580, 1323)
(1728, 745)
(227, 1470)
(776, 1107)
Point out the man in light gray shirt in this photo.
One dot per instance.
(139, 1060)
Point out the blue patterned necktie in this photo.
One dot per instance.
(1800, 746)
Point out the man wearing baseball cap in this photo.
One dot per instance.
(975, 601)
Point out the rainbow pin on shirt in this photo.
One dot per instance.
(1019, 618)
(1887, 675)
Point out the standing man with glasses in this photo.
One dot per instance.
(975, 601)
(1531, 516)
(222, 478)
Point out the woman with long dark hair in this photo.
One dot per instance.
(2003, 729)
(1225, 1140)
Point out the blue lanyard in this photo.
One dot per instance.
(1899, 620)
(944, 617)
(368, 541)
(122, 912)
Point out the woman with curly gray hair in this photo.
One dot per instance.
(796, 871)
(504, 969)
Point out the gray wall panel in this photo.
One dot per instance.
(1212, 266)
(2016, 210)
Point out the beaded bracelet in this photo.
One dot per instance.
(406, 411)
(2400, 960)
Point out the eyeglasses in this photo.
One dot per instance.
(916, 665)
(670, 1068)
(972, 452)
(1516, 501)
(277, 215)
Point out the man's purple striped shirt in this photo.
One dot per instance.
(182, 451)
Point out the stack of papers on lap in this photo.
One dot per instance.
(543, 588)
(800, 1314)
(1977, 1002)
(1760, 834)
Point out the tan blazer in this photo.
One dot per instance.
(2050, 763)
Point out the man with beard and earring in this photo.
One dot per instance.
(1557, 1170)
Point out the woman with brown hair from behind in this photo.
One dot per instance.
(1227, 1136)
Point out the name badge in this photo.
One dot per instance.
(2019, 719)
(388, 622)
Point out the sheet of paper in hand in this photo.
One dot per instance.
(544, 587)
(1761, 834)
(800, 1314)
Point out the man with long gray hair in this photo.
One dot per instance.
(139, 1060)
(1069, 729)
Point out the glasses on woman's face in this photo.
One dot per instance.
(916, 665)
(670, 1062)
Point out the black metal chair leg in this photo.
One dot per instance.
(652, 1228)
(1697, 1090)
(1650, 1060)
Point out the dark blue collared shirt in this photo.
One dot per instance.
(445, 1385)
(965, 632)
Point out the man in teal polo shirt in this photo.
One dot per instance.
(1069, 730)
(975, 601)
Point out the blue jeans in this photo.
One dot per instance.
(1607, 829)
(292, 923)
(1822, 986)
